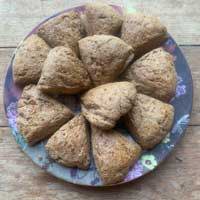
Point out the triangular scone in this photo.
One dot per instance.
(113, 154)
(63, 30)
(63, 73)
(70, 145)
(154, 74)
(143, 32)
(100, 18)
(149, 120)
(105, 104)
(29, 60)
(39, 115)
(105, 57)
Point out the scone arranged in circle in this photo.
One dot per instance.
(143, 32)
(149, 120)
(100, 18)
(154, 74)
(63, 73)
(29, 60)
(70, 145)
(104, 105)
(105, 57)
(39, 115)
(63, 30)
(113, 154)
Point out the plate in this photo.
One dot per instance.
(148, 161)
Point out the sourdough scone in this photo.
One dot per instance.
(39, 115)
(105, 57)
(70, 145)
(63, 73)
(143, 32)
(113, 154)
(100, 18)
(149, 120)
(63, 30)
(29, 60)
(154, 74)
(104, 105)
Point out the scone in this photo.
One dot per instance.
(63, 73)
(154, 74)
(39, 115)
(105, 57)
(70, 145)
(149, 120)
(29, 60)
(113, 154)
(100, 18)
(143, 32)
(63, 30)
(104, 105)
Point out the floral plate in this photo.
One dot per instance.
(148, 161)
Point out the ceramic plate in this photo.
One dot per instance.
(149, 160)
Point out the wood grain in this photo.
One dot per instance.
(18, 17)
(191, 53)
(177, 178)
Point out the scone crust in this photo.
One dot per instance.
(149, 120)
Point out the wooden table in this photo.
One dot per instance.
(178, 178)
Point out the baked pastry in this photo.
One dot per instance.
(39, 115)
(70, 145)
(143, 32)
(63, 73)
(149, 120)
(63, 30)
(154, 74)
(100, 18)
(104, 105)
(105, 57)
(113, 154)
(29, 60)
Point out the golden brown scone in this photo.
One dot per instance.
(39, 115)
(100, 18)
(149, 120)
(105, 57)
(154, 74)
(104, 105)
(113, 154)
(63, 30)
(29, 60)
(143, 32)
(63, 73)
(70, 145)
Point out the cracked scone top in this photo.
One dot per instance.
(104, 105)
(154, 74)
(142, 32)
(39, 115)
(63, 73)
(29, 60)
(70, 145)
(63, 30)
(149, 120)
(113, 154)
(100, 18)
(105, 57)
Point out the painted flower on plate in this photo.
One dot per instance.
(149, 161)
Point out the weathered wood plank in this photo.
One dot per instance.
(5, 56)
(176, 178)
(191, 53)
(18, 17)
